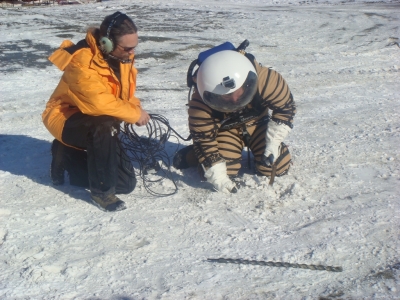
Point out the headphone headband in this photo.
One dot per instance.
(113, 21)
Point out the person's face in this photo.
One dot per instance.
(126, 46)
(233, 97)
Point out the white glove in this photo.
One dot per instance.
(218, 177)
(276, 133)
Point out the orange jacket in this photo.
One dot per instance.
(89, 85)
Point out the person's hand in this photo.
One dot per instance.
(218, 177)
(144, 118)
(276, 133)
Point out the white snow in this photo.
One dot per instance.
(339, 205)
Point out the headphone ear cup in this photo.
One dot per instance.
(106, 45)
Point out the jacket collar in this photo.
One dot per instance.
(98, 62)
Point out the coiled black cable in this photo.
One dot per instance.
(148, 152)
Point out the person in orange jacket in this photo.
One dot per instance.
(95, 94)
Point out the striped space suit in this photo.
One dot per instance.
(219, 136)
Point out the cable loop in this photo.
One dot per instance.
(148, 154)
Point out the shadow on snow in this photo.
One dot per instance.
(30, 157)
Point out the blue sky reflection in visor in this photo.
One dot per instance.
(233, 101)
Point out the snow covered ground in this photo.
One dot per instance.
(339, 206)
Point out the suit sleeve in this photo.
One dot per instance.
(204, 128)
(93, 96)
(276, 96)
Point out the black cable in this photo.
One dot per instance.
(149, 153)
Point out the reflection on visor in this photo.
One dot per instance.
(235, 100)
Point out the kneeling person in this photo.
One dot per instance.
(229, 109)
(94, 95)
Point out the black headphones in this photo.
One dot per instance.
(107, 44)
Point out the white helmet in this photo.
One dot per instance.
(227, 81)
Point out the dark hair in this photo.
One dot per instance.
(120, 23)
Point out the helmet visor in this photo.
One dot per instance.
(233, 101)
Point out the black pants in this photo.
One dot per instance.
(104, 166)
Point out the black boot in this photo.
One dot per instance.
(68, 159)
(107, 201)
(185, 158)
(57, 168)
